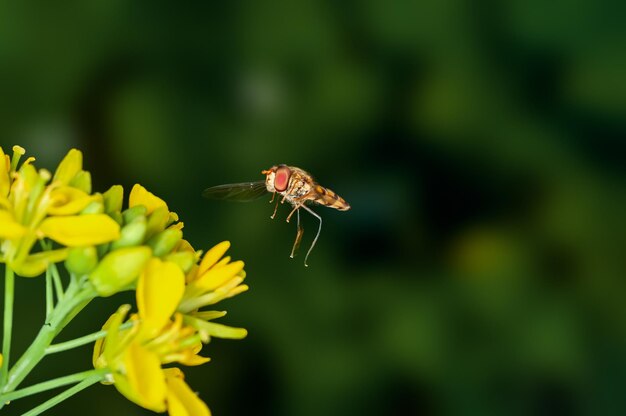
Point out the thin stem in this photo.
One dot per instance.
(53, 384)
(78, 342)
(9, 289)
(49, 298)
(53, 271)
(58, 319)
(62, 396)
(58, 284)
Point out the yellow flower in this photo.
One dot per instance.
(31, 209)
(135, 356)
(214, 279)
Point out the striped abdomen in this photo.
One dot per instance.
(325, 196)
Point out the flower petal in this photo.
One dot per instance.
(81, 230)
(215, 278)
(9, 228)
(144, 381)
(36, 264)
(160, 288)
(181, 400)
(212, 256)
(141, 196)
(71, 164)
(69, 201)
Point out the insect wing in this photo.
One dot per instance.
(243, 192)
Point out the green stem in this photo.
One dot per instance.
(58, 284)
(52, 384)
(78, 342)
(49, 298)
(9, 288)
(62, 396)
(36, 351)
(53, 272)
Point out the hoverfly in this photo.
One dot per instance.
(296, 186)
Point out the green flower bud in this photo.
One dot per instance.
(119, 268)
(157, 221)
(94, 207)
(82, 181)
(132, 213)
(81, 260)
(165, 241)
(132, 234)
(117, 216)
(184, 259)
(113, 199)
(103, 249)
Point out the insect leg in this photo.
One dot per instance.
(273, 196)
(295, 208)
(316, 235)
(296, 243)
(275, 209)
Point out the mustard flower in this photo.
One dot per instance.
(108, 249)
(32, 209)
(135, 356)
(148, 230)
(214, 279)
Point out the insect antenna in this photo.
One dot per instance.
(316, 235)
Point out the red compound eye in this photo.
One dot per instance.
(281, 178)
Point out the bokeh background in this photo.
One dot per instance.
(481, 269)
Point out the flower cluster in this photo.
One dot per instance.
(172, 284)
(64, 211)
(106, 250)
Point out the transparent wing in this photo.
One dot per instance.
(243, 192)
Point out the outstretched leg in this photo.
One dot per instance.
(316, 235)
(295, 208)
(296, 243)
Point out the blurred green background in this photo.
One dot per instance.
(481, 269)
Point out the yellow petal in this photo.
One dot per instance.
(144, 381)
(160, 288)
(215, 278)
(212, 256)
(181, 400)
(68, 201)
(141, 196)
(81, 230)
(71, 164)
(36, 264)
(9, 228)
